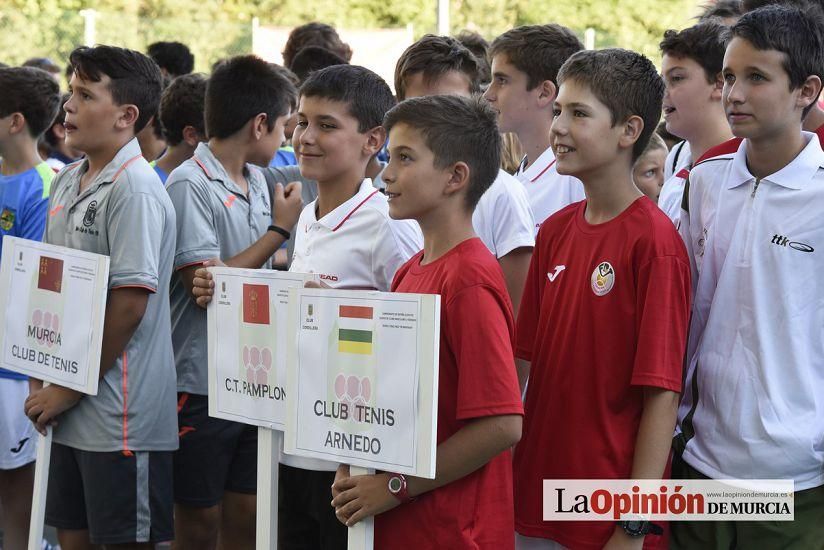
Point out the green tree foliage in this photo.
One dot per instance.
(214, 29)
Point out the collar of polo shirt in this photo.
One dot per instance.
(337, 217)
(798, 174)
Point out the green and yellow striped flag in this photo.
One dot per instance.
(355, 332)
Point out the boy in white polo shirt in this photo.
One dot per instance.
(752, 404)
(691, 67)
(347, 238)
(224, 211)
(436, 65)
(525, 63)
(111, 462)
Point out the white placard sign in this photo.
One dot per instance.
(247, 345)
(363, 378)
(54, 300)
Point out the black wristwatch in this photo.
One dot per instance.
(640, 527)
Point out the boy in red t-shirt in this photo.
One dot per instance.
(445, 152)
(603, 320)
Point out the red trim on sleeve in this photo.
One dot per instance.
(683, 174)
(354, 210)
(548, 166)
(126, 450)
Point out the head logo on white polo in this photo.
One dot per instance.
(603, 279)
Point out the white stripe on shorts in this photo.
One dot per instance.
(143, 521)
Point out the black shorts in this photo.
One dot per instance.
(215, 455)
(120, 498)
(306, 519)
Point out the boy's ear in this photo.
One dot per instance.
(547, 91)
(632, 129)
(718, 87)
(809, 91)
(191, 136)
(259, 126)
(458, 178)
(375, 138)
(128, 116)
(59, 130)
(17, 123)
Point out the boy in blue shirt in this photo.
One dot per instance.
(28, 103)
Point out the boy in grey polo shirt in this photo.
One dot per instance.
(111, 464)
(224, 210)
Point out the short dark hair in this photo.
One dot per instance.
(59, 118)
(175, 57)
(434, 56)
(241, 88)
(43, 63)
(366, 94)
(314, 58)
(537, 50)
(31, 92)
(182, 105)
(625, 81)
(314, 34)
(456, 129)
(704, 43)
(794, 32)
(135, 78)
(291, 77)
(479, 47)
(157, 127)
(721, 9)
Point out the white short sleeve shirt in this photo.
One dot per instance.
(503, 218)
(548, 191)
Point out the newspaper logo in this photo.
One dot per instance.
(668, 500)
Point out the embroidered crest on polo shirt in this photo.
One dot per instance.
(7, 219)
(88, 220)
(91, 214)
(603, 279)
